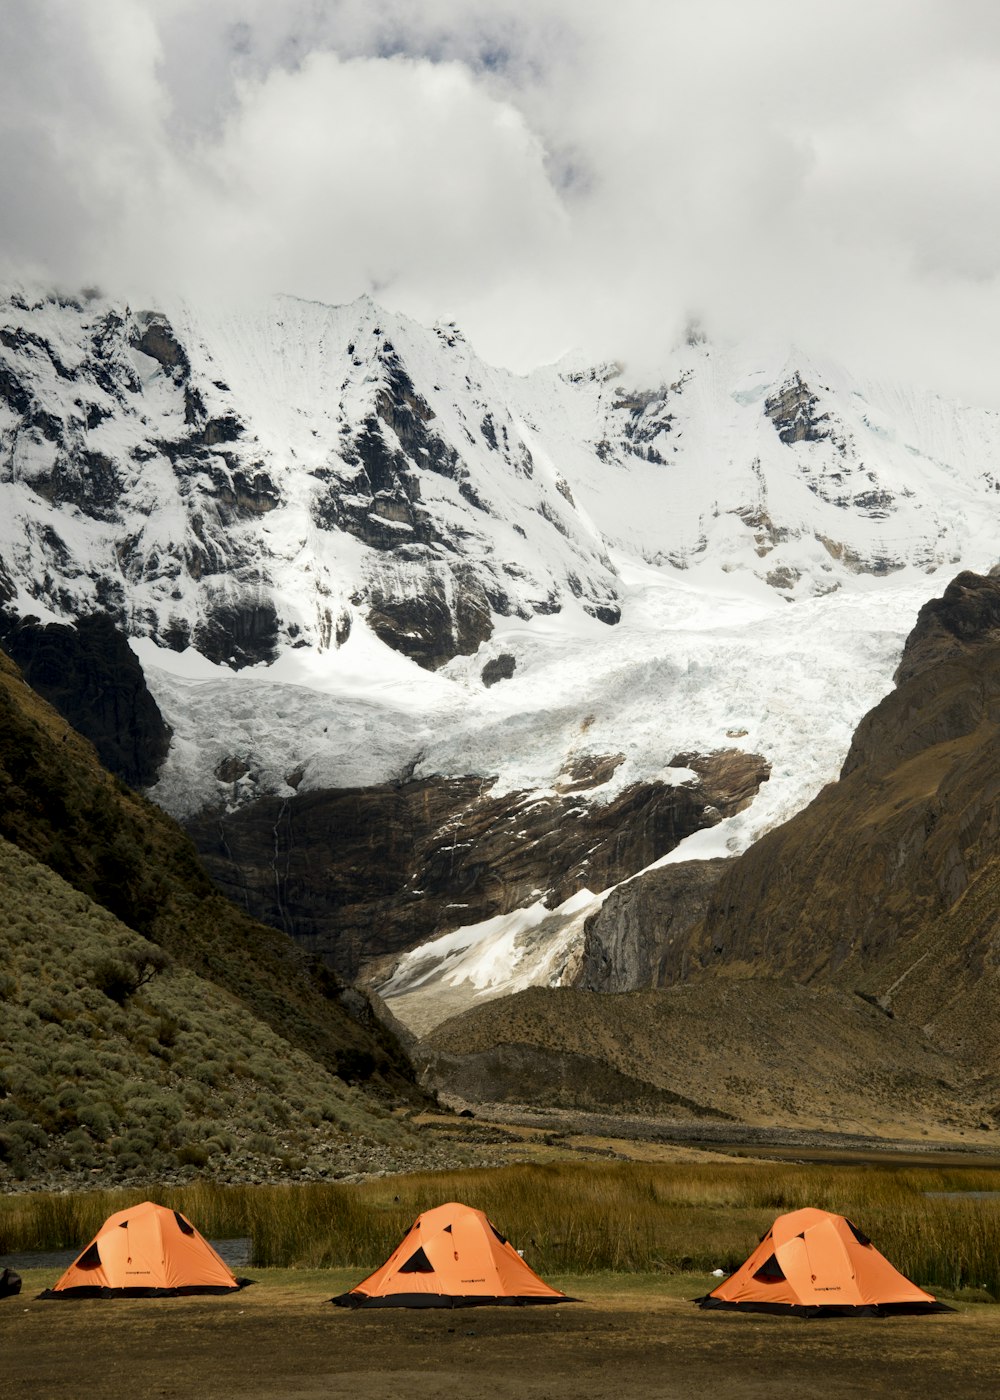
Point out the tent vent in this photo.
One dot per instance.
(418, 1263)
(182, 1224)
(770, 1271)
(447, 1229)
(859, 1235)
(500, 1237)
(90, 1258)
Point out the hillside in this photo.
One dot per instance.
(107, 1075)
(127, 979)
(117, 848)
(845, 968)
(756, 1051)
(890, 879)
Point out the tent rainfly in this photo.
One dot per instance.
(812, 1263)
(146, 1251)
(452, 1257)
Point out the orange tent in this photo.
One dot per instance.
(452, 1257)
(143, 1252)
(811, 1262)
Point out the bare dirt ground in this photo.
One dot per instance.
(626, 1338)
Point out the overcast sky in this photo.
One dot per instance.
(548, 173)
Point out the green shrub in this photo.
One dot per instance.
(28, 1134)
(133, 1142)
(121, 977)
(166, 1030)
(192, 1154)
(96, 1120)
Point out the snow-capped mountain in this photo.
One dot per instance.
(349, 552)
(248, 483)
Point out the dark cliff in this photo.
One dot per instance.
(358, 874)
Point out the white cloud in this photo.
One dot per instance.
(564, 172)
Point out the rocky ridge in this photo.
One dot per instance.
(841, 890)
(759, 1052)
(251, 481)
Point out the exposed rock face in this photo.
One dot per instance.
(416, 504)
(640, 936)
(239, 632)
(90, 675)
(886, 882)
(272, 475)
(588, 771)
(793, 411)
(433, 626)
(361, 873)
(638, 939)
(500, 668)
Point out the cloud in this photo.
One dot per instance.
(390, 174)
(559, 174)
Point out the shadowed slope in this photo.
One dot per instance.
(61, 808)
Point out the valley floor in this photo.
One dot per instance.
(540, 1133)
(629, 1336)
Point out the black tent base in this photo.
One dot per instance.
(821, 1310)
(91, 1292)
(439, 1300)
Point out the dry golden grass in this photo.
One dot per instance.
(576, 1218)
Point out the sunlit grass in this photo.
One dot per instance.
(572, 1218)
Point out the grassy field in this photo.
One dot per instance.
(575, 1219)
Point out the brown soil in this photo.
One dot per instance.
(277, 1340)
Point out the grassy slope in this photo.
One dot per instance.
(181, 1073)
(58, 805)
(236, 1044)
